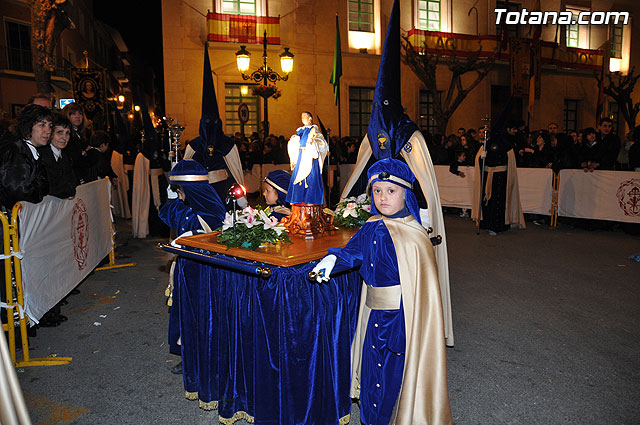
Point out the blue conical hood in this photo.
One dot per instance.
(211, 132)
(389, 127)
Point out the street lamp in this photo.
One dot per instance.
(264, 74)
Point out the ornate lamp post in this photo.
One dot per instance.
(264, 74)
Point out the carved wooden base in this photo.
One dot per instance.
(308, 221)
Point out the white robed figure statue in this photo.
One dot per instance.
(307, 150)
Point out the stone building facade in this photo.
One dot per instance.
(569, 92)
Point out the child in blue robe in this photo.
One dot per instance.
(398, 368)
(275, 193)
(193, 204)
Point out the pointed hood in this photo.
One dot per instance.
(211, 132)
(389, 127)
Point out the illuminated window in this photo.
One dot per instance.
(573, 31)
(429, 15)
(427, 116)
(570, 115)
(239, 7)
(19, 46)
(616, 40)
(361, 15)
(233, 97)
(360, 99)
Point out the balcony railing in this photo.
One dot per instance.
(465, 45)
(242, 28)
(20, 61)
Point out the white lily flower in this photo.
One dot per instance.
(228, 221)
(350, 210)
(362, 198)
(269, 222)
(367, 208)
(249, 211)
(278, 229)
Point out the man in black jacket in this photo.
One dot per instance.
(57, 162)
(611, 143)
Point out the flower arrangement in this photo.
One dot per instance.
(253, 228)
(270, 90)
(352, 211)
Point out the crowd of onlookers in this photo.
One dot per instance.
(274, 150)
(589, 149)
(46, 152)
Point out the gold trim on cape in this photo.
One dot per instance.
(275, 186)
(189, 178)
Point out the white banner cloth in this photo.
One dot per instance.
(535, 184)
(536, 190)
(603, 195)
(455, 191)
(63, 241)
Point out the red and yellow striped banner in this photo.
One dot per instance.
(465, 45)
(242, 28)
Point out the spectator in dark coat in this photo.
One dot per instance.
(561, 155)
(97, 164)
(437, 151)
(593, 152)
(57, 162)
(22, 176)
(542, 156)
(611, 143)
(470, 147)
(80, 136)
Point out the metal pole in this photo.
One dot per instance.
(265, 74)
(339, 114)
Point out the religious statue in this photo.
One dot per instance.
(307, 151)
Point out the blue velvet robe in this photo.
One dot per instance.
(382, 358)
(310, 189)
(177, 215)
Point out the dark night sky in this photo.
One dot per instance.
(140, 24)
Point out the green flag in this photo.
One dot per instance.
(337, 66)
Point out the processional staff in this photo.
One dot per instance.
(483, 157)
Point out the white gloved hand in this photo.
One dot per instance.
(242, 202)
(324, 268)
(171, 194)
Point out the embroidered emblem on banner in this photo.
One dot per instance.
(80, 233)
(629, 197)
